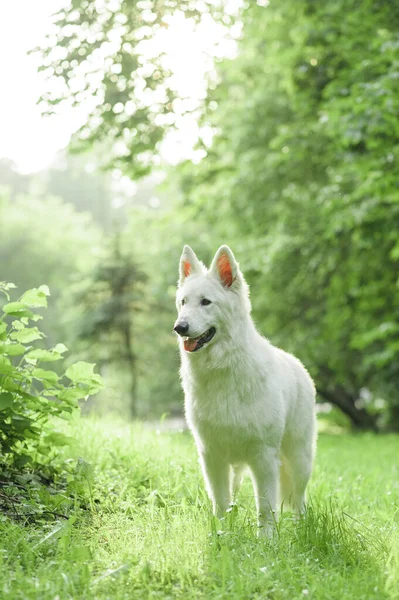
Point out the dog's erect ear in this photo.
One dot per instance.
(189, 264)
(225, 266)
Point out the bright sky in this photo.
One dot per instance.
(25, 137)
(31, 140)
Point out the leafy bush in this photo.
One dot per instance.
(30, 395)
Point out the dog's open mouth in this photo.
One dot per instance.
(194, 344)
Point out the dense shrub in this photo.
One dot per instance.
(33, 397)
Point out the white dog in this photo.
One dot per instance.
(248, 403)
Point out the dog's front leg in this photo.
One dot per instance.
(216, 474)
(264, 468)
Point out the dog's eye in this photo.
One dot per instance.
(183, 302)
(205, 302)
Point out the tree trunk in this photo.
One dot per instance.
(131, 362)
(393, 424)
(344, 400)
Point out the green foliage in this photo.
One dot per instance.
(73, 179)
(31, 250)
(44, 239)
(302, 177)
(103, 56)
(109, 301)
(157, 238)
(301, 180)
(30, 396)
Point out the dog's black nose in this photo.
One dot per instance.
(181, 328)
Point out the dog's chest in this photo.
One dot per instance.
(229, 408)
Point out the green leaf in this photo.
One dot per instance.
(27, 335)
(95, 384)
(36, 318)
(61, 348)
(5, 366)
(3, 330)
(72, 395)
(15, 349)
(22, 460)
(80, 372)
(17, 309)
(6, 400)
(20, 423)
(11, 349)
(45, 289)
(7, 286)
(4, 287)
(42, 355)
(43, 375)
(30, 400)
(9, 384)
(35, 297)
(97, 380)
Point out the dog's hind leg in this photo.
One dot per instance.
(264, 470)
(238, 474)
(286, 485)
(294, 477)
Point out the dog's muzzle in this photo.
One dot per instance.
(195, 344)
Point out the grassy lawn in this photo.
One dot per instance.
(140, 527)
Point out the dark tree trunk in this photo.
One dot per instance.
(393, 424)
(340, 397)
(131, 362)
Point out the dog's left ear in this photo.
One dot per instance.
(225, 266)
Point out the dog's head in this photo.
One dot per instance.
(210, 303)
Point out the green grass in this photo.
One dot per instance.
(145, 529)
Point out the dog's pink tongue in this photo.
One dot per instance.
(190, 345)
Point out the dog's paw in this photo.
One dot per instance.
(267, 531)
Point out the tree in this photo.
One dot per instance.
(300, 177)
(109, 58)
(302, 172)
(74, 179)
(110, 299)
(156, 238)
(44, 239)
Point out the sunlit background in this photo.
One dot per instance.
(32, 141)
(28, 139)
(128, 130)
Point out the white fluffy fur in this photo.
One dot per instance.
(248, 403)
